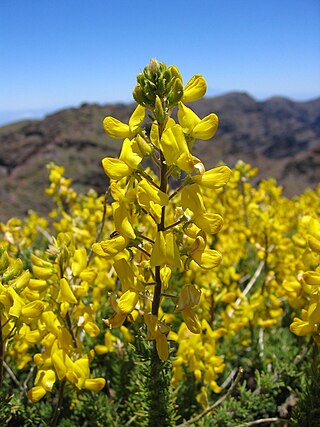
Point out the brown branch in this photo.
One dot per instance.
(263, 421)
(216, 404)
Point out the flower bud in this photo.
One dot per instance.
(158, 110)
(144, 148)
(139, 96)
(174, 71)
(153, 66)
(176, 92)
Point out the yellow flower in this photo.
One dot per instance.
(204, 257)
(158, 331)
(188, 298)
(65, 293)
(192, 199)
(117, 129)
(175, 149)
(301, 327)
(208, 222)
(36, 393)
(194, 89)
(148, 194)
(118, 317)
(94, 384)
(32, 309)
(128, 301)
(213, 178)
(165, 250)
(128, 161)
(126, 275)
(121, 220)
(110, 248)
(192, 124)
(79, 262)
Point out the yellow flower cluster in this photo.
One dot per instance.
(147, 253)
(160, 229)
(303, 290)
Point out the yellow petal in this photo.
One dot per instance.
(152, 324)
(147, 193)
(128, 301)
(214, 178)
(162, 346)
(33, 309)
(136, 118)
(194, 89)
(110, 248)
(36, 393)
(300, 327)
(187, 118)
(79, 262)
(191, 198)
(65, 293)
(210, 223)
(312, 278)
(314, 312)
(94, 384)
(207, 259)
(165, 274)
(48, 379)
(17, 303)
(173, 144)
(128, 155)
(115, 168)
(314, 244)
(59, 360)
(115, 320)
(206, 128)
(91, 329)
(191, 320)
(189, 297)
(116, 129)
(165, 250)
(22, 281)
(121, 220)
(42, 272)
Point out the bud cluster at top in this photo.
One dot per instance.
(158, 87)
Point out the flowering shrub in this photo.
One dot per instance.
(174, 263)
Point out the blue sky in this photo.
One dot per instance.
(60, 53)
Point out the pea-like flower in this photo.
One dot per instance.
(117, 129)
(189, 297)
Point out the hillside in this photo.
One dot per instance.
(279, 136)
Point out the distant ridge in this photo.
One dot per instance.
(279, 136)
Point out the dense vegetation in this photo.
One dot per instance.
(187, 297)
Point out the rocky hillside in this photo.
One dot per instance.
(279, 136)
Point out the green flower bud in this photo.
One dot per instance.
(175, 72)
(176, 92)
(139, 96)
(153, 66)
(159, 111)
(144, 147)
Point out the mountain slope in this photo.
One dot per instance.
(279, 136)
